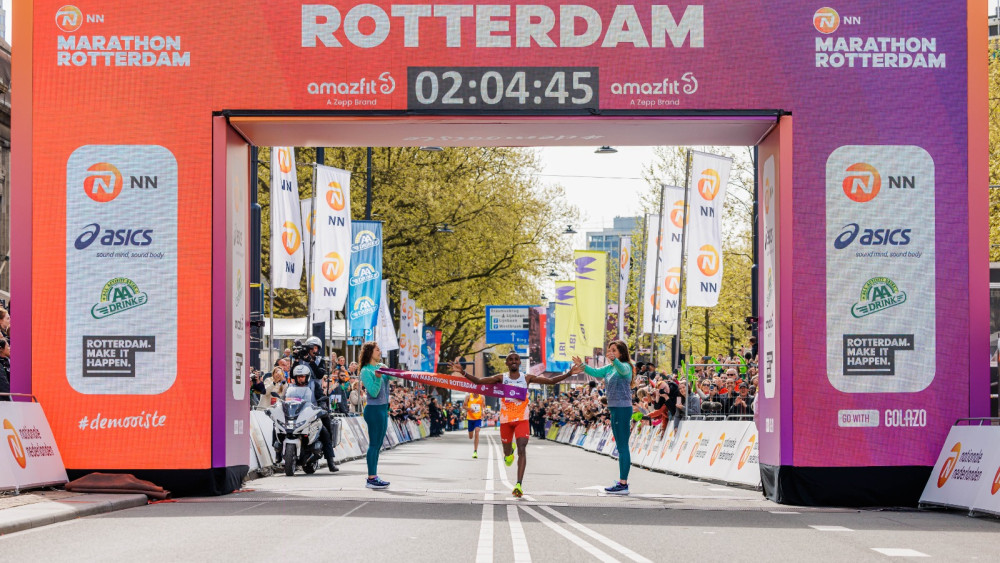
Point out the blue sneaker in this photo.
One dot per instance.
(618, 488)
(376, 483)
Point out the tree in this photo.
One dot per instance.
(994, 149)
(505, 222)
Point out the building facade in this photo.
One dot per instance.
(608, 240)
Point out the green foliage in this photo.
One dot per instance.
(994, 149)
(506, 230)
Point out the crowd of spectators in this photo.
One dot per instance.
(4, 351)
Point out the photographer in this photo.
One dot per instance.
(310, 356)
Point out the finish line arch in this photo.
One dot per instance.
(156, 106)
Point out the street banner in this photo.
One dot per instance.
(365, 280)
(567, 322)
(661, 294)
(703, 274)
(308, 223)
(418, 331)
(333, 236)
(624, 270)
(386, 333)
(34, 459)
(551, 365)
(458, 383)
(404, 327)
(591, 296)
(429, 348)
(286, 220)
(536, 340)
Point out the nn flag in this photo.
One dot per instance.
(703, 274)
(661, 295)
(591, 297)
(624, 269)
(286, 221)
(385, 333)
(404, 327)
(332, 235)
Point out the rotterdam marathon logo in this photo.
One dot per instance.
(870, 51)
(112, 50)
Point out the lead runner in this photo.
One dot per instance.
(514, 413)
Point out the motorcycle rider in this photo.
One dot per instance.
(301, 378)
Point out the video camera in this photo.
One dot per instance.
(300, 352)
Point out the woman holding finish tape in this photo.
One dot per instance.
(619, 377)
(376, 411)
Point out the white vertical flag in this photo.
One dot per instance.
(332, 254)
(703, 273)
(624, 269)
(415, 350)
(665, 246)
(286, 221)
(404, 327)
(308, 223)
(385, 332)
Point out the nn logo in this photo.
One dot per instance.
(69, 18)
(14, 441)
(949, 464)
(708, 260)
(678, 215)
(285, 160)
(708, 185)
(672, 283)
(291, 239)
(104, 182)
(333, 268)
(335, 197)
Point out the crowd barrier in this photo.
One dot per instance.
(967, 473)
(32, 458)
(717, 450)
(351, 443)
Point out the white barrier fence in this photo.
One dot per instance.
(352, 443)
(716, 450)
(967, 473)
(32, 458)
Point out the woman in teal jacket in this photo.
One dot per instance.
(618, 376)
(377, 409)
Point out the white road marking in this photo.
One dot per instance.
(521, 553)
(600, 555)
(594, 535)
(899, 552)
(484, 552)
(784, 512)
(831, 528)
(592, 488)
(722, 489)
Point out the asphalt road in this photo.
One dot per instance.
(445, 506)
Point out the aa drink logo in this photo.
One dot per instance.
(335, 197)
(949, 465)
(718, 448)
(709, 184)
(708, 260)
(118, 295)
(103, 182)
(826, 20)
(678, 215)
(14, 441)
(878, 294)
(862, 182)
(363, 241)
(290, 237)
(672, 282)
(69, 18)
(333, 266)
(746, 452)
(363, 306)
(285, 160)
(363, 274)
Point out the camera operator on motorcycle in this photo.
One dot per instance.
(302, 376)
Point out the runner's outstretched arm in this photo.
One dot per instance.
(456, 367)
(576, 369)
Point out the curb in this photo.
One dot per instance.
(43, 513)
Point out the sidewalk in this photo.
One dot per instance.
(41, 508)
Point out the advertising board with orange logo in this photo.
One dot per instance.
(29, 456)
(113, 140)
(967, 470)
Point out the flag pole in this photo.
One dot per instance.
(641, 289)
(312, 244)
(684, 223)
(656, 275)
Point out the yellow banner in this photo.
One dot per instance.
(567, 322)
(591, 297)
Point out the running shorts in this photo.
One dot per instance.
(511, 430)
(474, 424)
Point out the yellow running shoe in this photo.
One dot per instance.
(509, 460)
(518, 491)
(475, 455)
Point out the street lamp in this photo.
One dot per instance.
(605, 149)
(431, 149)
(569, 230)
(445, 228)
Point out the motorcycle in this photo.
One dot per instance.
(297, 426)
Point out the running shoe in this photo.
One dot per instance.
(376, 483)
(518, 491)
(509, 460)
(475, 455)
(619, 488)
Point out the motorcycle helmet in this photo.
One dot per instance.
(314, 341)
(301, 370)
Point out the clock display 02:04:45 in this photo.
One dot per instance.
(502, 88)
